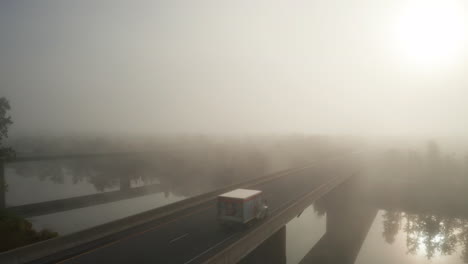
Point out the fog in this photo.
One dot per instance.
(345, 118)
(323, 67)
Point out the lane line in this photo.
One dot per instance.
(148, 230)
(134, 235)
(287, 205)
(284, 207)
(176, 219)
(217, 244)
(178, 238)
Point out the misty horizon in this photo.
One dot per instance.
(215, 131)
(216, 67)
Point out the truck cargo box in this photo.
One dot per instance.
(240, 206)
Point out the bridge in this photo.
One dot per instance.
(348, 221)
(351, 210)
(185, 231)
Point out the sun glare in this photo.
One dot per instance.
(430, 33)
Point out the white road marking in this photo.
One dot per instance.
(177, 238)
(217, 244)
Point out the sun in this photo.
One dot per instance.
(430, 33)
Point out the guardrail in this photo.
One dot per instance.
(59, 244)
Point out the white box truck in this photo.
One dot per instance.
(241, 206)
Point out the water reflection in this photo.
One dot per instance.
(428, 234)
(302, 233)
(75, 220)
(353, 232)
(394, 237)
(178, 176)
(391, 225)
(183, 174)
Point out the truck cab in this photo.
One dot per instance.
(241, 206)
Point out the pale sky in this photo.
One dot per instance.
(244, 66)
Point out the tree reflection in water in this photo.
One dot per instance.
(180, 174)
(428, 234)
(183, 165)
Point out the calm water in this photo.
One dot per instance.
(393, 237)
(75, 220)
(423, 244)
(302, 233)
(416, 243)
(26, 189)
(33, 182)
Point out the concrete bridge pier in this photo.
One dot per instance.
(125, 183)
(348, 221)
(273, 250)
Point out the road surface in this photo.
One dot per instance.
(190, 236)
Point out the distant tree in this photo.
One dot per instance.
(465, 172)
(433, 151)
(5, 122)
(434, 161)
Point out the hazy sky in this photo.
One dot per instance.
(350, 66)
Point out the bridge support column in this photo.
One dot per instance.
(124, 183)
(348, 221)
(2, 184)
(273, 250)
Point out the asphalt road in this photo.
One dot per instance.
(191, 235)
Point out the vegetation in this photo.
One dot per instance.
(16, 232)
(5, 122)
(184, 165)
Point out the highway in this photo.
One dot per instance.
(191, 235)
